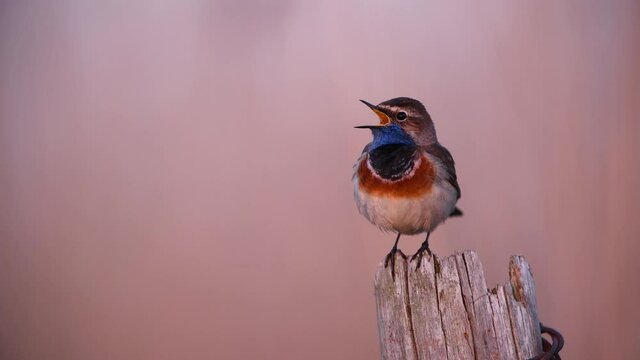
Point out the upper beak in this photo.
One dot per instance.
(384, 118)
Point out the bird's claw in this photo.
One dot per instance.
(419, 254)
(391, 258)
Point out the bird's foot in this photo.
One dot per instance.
(418, 255)
(391, 258)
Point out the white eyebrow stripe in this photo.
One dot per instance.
(394, 109)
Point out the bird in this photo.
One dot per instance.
(405, 181)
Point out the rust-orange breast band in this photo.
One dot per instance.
(417, 184)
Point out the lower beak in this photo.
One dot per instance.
(384, 118)
(369, 126)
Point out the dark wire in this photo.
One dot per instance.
(551, 351)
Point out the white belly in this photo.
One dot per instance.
(410, 215)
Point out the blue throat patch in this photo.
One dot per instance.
(390, 134)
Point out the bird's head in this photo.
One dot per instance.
(406, 114)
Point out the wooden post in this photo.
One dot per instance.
(444, 310)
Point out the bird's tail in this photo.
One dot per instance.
(456, 212)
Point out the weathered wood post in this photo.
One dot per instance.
(444, 310)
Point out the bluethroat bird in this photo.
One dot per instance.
(405, 181)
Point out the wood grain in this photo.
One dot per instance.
(455, 320)
(425, 314)
(394, 318)
(443, 310)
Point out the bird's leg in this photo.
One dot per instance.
(391, 256)
(424, 247)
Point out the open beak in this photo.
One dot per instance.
(384, 118)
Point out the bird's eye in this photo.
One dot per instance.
(401, 116)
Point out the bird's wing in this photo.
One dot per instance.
(357, 164)
(441, 153)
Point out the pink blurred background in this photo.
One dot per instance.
(175, 176)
